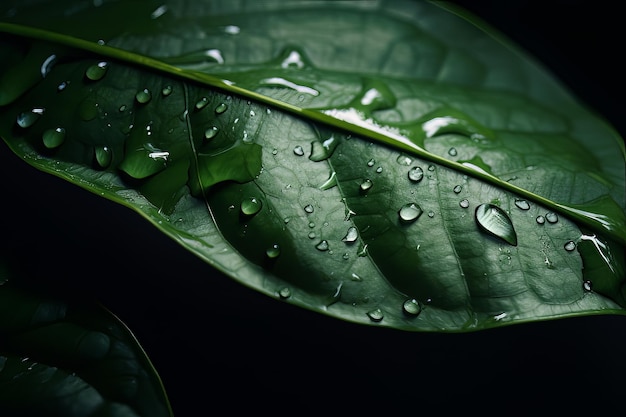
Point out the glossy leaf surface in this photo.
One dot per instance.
(335, 171)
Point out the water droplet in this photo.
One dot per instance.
(298, 150)
(250, 206)
(376, 314)
(284, 293)
(404, 160)
(431, 214)
(143, 96)
(493, 220)
(273, 251)
(97, 71)
(309, 208)
(167, 90)
(457, 189)
(47, 65)
(28, 118)
(416, 174)
(211, 132)
(221, 108)
(587, 285)
(351, 235)
(63, 85)
(371, 162)
(200, 104)
(431, 168)
(522, 204)
(274, 151)
(540, 219)
(322, 246)
(311, 235)
(122, 108)
(452, 152)
(311, 225)
(103, 156)
(552, 217)
(410, 212)
(412, 307)
(323, 150)
(53, 138)
(464, 203)
(366, 185)
(569, 246)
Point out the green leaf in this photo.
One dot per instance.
(405, 178)
(59, 356)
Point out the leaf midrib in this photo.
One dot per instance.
(364, 130)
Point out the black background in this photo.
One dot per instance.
(219, 345)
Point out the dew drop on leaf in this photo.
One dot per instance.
(452, 152)
(493, 220)
(167, 90)
(366, 185)
(410, 212)
(412, 307)
(62, 86)
(464, 203)
(309, 208)
(569, 246)
(298, 150)
(416, 174)
(53, 138)
(250, 206)
(143, 96)
(28, 118)
(540, 219)
(211, 132)
(587, 285)
(322, 246)
(522, 204)
(552, 217)
(97, 71)
(221, 108)
(376, 315)
(371, 162)
(457, 189)
(351, 235)
(284, 293)
(103, 156)
(200, 104)
(273, 251)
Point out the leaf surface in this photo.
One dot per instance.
(384, 163)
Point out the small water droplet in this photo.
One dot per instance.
(309, 208)
(273, 251)
(416, 174)
(53, 138)
(366, 185)
(376, 314)
(200, 104)
(552, 217)
(28, 118)
(493, 220)
(311, 235)
(47, 65)
(298, 150)
(250, 206)
(103, 156)
(311, 225)
(570, 246)
(522, 204)
(211, 132)
(540, 219)
(221, 108)
(97, 71)
(351, 235)
(274, 151)
(431, 214)
(452, 152)
(379, 170)
(587, 285)
(322, 246)
(167, 90)
(410, 212)
(431, 168)
(143, 96)
(412, 307)
(284, 293)
(457, 189)
(371, 162)
(122, 108)
(404, 160)
(464, 203)
(63, 85)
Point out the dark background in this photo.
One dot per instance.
(218, 344)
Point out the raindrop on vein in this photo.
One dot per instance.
(493, 220)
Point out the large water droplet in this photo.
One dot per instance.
(416, 174)
(251, 206)
(309, 208)
(221, 108)
(522, 204)
(366, 185)
(552, 217)
(412, 307)
(53, 138)
(376, 315)
(28, 118)
(143, 96)
(351, 235)
(97, 71)
(493, 220)
(410, 212)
